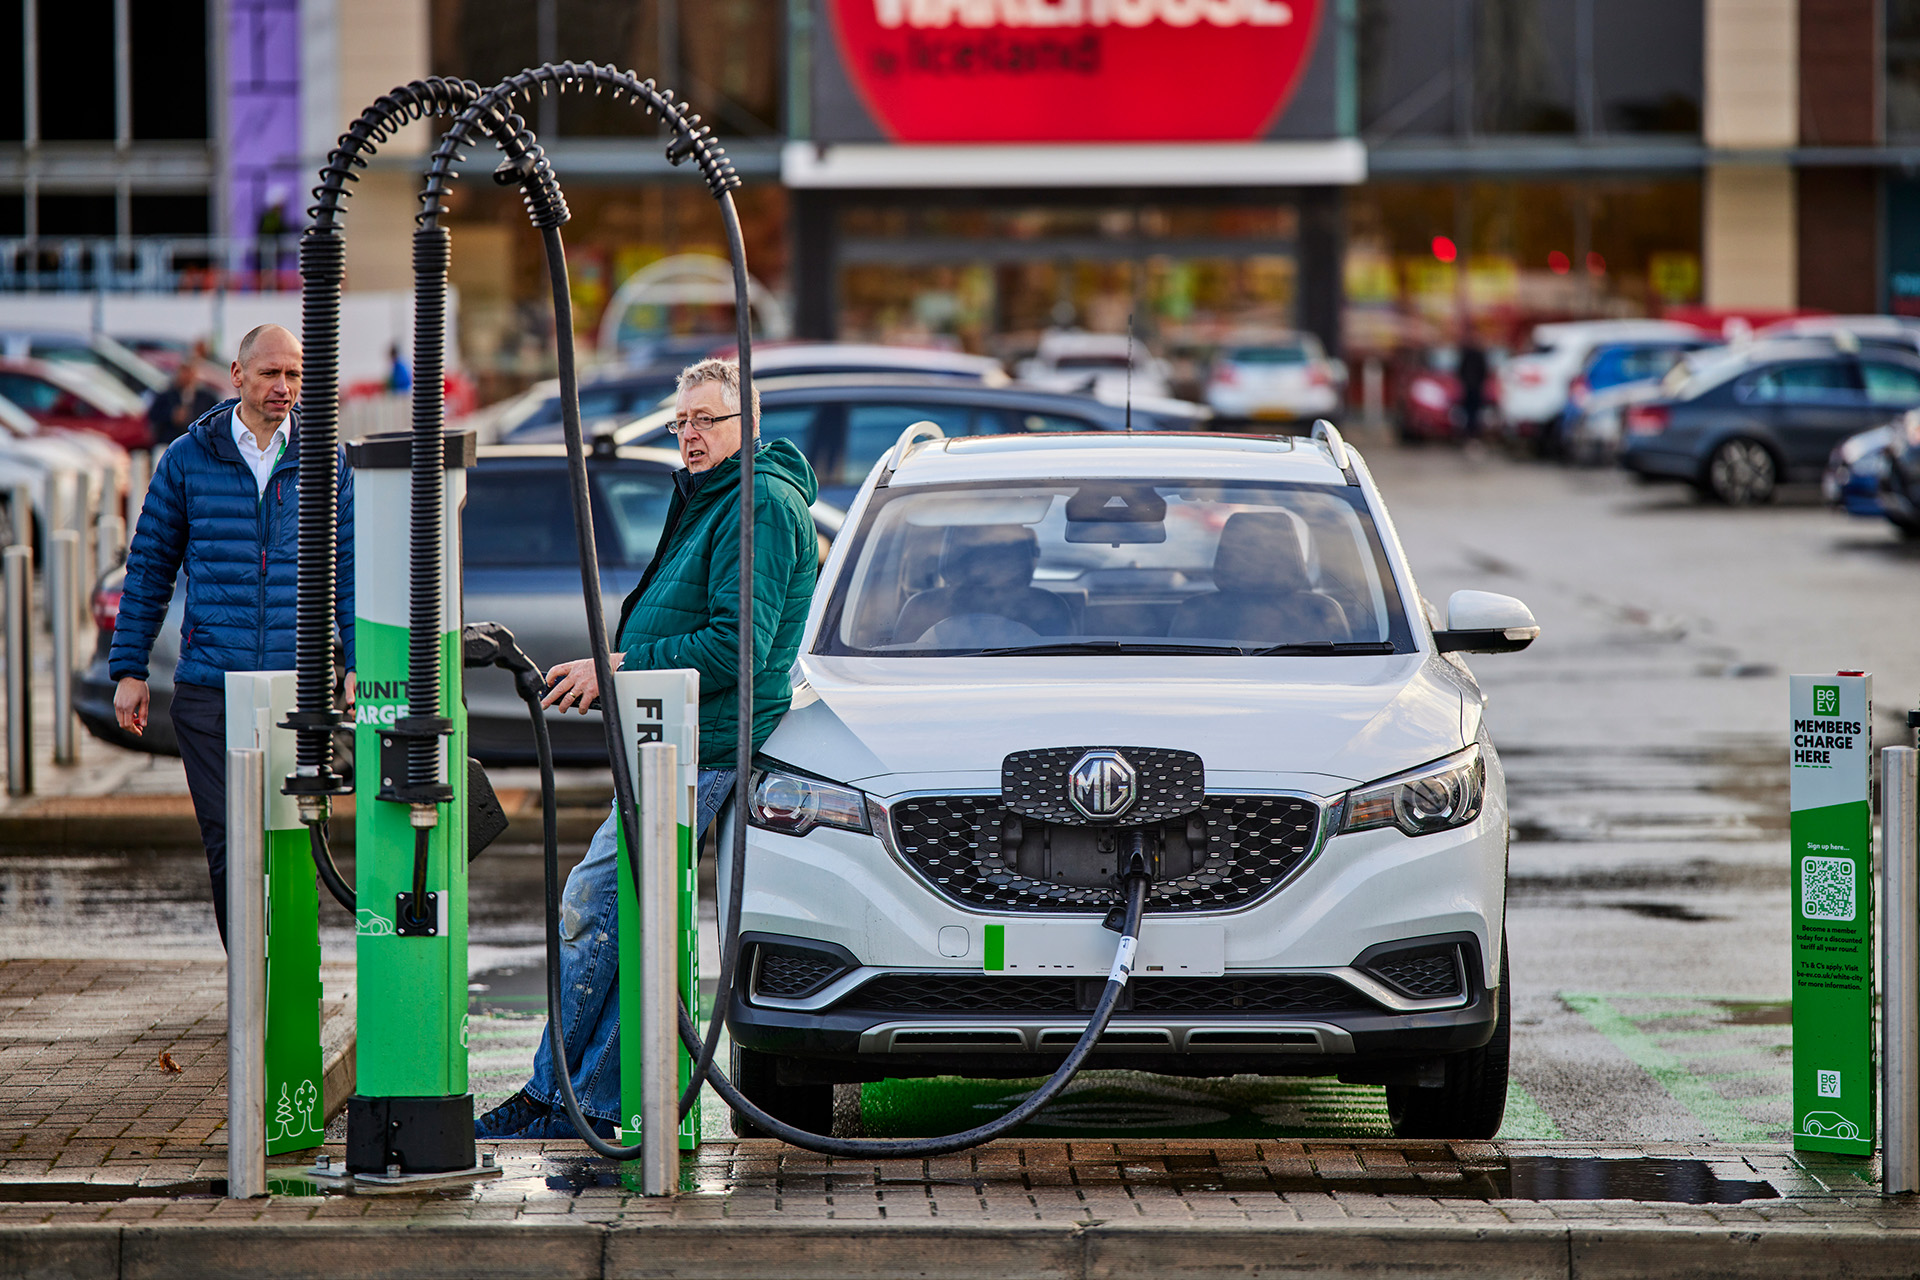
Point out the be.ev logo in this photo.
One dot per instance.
(1826, 700)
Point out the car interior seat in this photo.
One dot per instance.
(1261, 591)
(986, 569)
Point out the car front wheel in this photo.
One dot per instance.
(804, 1106)
(1742, 473)
(1473, 1097)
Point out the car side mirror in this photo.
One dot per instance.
(1484, 622)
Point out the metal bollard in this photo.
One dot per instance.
(20, 515)
(246, 974)
(63, 552)
(109, 543)
(1899, 970)
(660, 968)
(19, 623)
(139, 474)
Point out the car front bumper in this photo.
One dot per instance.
(852, 894)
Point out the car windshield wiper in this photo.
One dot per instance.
(1106, 646)
(1324, 646)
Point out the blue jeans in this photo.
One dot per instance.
(590, 967)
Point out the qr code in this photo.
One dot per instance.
(1826, 888)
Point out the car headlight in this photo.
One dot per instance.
(1432, 798)
(794, 805)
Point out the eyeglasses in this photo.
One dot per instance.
(700, 422)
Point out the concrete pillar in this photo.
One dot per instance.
(1749, 236)
(1752, 106)
(352, 51)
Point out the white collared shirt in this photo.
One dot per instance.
(259, 461)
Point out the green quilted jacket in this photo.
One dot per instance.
(685, 612)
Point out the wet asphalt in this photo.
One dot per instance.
(1645, 744)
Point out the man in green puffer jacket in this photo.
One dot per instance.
(684, 613)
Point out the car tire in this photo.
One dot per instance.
(1742, 472)
(1473, 1098)
(804, 1106)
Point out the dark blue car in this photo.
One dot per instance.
(1742, 425)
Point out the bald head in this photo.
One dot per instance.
(266, 373)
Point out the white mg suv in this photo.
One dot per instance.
(1026, 653)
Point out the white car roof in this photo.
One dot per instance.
(1112, 454)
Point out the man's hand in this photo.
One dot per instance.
(130, 700)
(574, 685)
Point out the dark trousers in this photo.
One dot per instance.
(200, 727)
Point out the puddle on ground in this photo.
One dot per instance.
(1636, 1178)
(1665, 911)
(513, 991)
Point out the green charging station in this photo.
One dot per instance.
(659, 706)
(1830, 779)
(294, 1098)
(412, 1113)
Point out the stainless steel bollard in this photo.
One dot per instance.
(246, 974)
(139, 475)
(659, 968)
(63, 551)
(20, 515)
(1899, 970)
(18, 585)
(109, 544)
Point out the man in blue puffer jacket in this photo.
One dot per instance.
(224, 505)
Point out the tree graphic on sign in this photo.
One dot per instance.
(304, 1099)
(283, 1113)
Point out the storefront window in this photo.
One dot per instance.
(1427, 259)
(993, 278)
(1903, 70)
(1457, 68)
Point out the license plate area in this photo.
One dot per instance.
(1168, 948)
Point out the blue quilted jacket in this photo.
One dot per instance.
(204, 513)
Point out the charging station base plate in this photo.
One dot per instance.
(335, 1176)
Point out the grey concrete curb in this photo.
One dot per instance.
(926, 1251)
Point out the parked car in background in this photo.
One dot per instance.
(1283, 376)
(76, 398)
(772, 359)
(1429, 405)
(1900, 481)
(92, 351)
(1107, 366)
(520, 569)
(1865, 330)
(605, 398)
(844, 422)
(1736, 428)
(611, 396)
(1534, 386)
(1615, 375)
(30, 454)
(1855, 470)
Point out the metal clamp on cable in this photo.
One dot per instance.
(397, 783)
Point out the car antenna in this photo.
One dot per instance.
(1129, 372)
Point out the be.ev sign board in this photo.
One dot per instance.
(1832, 867)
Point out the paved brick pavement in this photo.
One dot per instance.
(99, 1139)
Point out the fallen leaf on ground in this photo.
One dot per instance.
(167, 1063)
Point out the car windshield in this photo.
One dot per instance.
(1091, 361)
(1615, 365)
(1116, 566)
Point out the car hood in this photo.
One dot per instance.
(1348, 720)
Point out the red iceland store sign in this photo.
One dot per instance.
(1075, 70)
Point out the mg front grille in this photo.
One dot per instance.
(1251, 845)
(1287, 994)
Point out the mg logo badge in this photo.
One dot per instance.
(1102, 784)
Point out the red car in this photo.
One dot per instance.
(1429, 405)
(70, 398)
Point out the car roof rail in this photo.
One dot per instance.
(1329, 435)
(922, 430)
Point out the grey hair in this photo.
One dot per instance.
(724, 372)
(259, 331)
